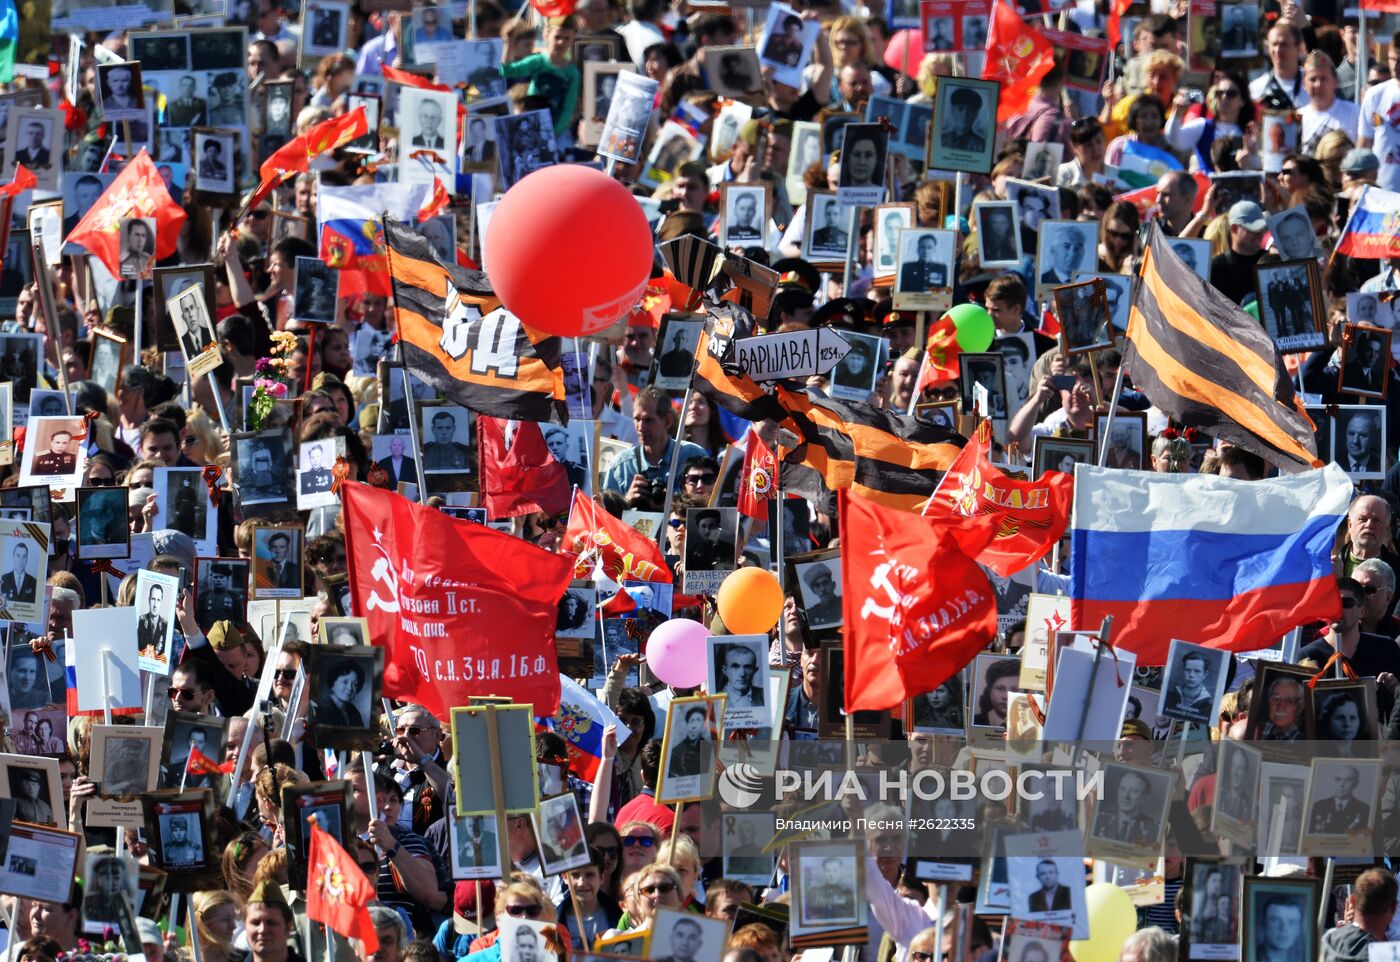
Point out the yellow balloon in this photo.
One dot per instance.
(750, 601)
(1112, 918)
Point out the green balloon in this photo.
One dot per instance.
(974, 327)
(1252, 309)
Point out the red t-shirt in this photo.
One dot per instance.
(643, 808)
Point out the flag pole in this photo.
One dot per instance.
(498, 791)
(420, 479)
(1112, 412)
(853, 226)
(676, 455)
(1362, 53)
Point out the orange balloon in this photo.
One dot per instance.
(750, 601)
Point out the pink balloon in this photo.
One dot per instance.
(913, 40)
(676, 652)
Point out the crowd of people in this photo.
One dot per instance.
(1235, 123)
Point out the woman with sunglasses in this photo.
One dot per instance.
(519, 900)
(1229, 110)
(639, 841)
(654, 887)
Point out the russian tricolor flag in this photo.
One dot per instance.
(1219, 562)
(1373, 228)
(580, 722)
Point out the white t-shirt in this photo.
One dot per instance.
(1340, 116)
(1379, 120)
(1293, 88)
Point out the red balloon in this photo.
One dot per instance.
(913, 42)
(569, 250)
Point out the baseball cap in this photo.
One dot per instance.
(1247, 214)
(1360, 160)
(464, 913)
(149, 932)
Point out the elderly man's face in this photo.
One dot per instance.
(429, 118)
(278, 548)
(1065, 252)
(1359, 437)
(119, 82)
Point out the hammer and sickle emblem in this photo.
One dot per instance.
(383, 572)
(880, 580)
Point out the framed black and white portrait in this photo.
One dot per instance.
(559, 831)
(136, 246)
(446, 434)
(826, 238)
(325, 25)
(103, 528)
(941, 711)
(1280, 916)
(1125, 444)
(1035, 203)
(1369, 307)
(1065, 248)
(221, 591)
(186, 732)
(590, 48)
(1279, 715)
(988, 372)
(262, 467)
(727, 127)
(1292, 230)
(183, 504)
(628, 119)
(675, 351)
(829, 883)
(890, 219)
(441, 232)
(570, 445)
(1194, 253)
(24, 550)
(577, 612)
(317, 288)
(1359, 441)
(277, 561)
(964, 125)
(373, 105)
(743, 836)
(328, 804)
(171, 282)
(1280, 817)
(1046, 887)
(1290, 304)
(524, 142)
(106, 359)
(864, 148)
(1193, 682)
(818, 581)
(925, 270)
(1365, 361)
(1343, 713)
(476, 851)
(1239, 30)
(738, 669)
(1082, 308)
(156, 597)
(1235, 813)
(688, 749)
(1131, 818)
(786, 44)
(125, 759)
(214, 161)
(277, 108)
(1210, 909)
(181, 832)
(1060, 454)
(733, 72)
(119, 86)
(1042, 161)
(1117, 290)
(54, 453)
(344, 684)
(34, 785)
(998, 233)
(711, 547)
(744, 211)
(195, 331)
(34, 138)
(427, 135)
(853, 379)
(315, 459)
(993, 679)
(1340, 811)
(805, 153)
(343, 632)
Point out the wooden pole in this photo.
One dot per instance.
(498, 792)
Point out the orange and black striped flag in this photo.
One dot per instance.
(889, 458)
(458, 338)
(1207, 364)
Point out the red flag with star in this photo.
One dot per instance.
(199, 763)
(137, 191)
(1017, 57)
(295, 156)
(24, 179)
(1026, 518)
(337, 892)
(759, 483)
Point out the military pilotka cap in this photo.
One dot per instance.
(224, 636)
(269, 892)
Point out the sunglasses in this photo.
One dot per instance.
(260, 214)
(284, 674)
(660, 888)
(632, 841)
(699, 479)
(412, 731)
(102, 482)
(1120, 234)
(1370, 589)
(606, 851)
(178, 694)
(675, 522)
(1349, 603)
(523, 911)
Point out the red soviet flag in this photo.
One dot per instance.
(759, 483)
(1017, 57)
(296, 155)
(1026, 518)
(523, 477)
(137, 191)
(338, 893)
(459, 608)
(917, 609)
(594, 536)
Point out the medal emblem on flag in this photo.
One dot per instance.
(761, 481)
